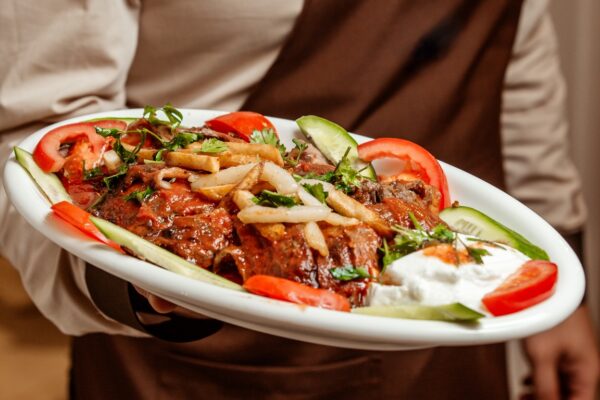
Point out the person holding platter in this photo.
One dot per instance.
(477, 83)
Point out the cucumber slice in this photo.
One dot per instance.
(159, 256)
(333, 141)
(48, 183)
(454, 312)
(473, 222)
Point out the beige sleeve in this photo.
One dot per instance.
(538, 165)
(66, 58)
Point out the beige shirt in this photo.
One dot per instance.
(61, 58)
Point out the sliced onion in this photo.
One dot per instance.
(280, 178)
(223, 177)
(112, 161)
(315, 239)
(293, 215)
(169, 173)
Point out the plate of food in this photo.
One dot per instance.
(296, 228)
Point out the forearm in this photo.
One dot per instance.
(66, 60)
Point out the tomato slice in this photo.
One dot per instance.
(284, 289)
(242, 123)
(81, 220)
(531, 284)
(47, 154)
(419, 163)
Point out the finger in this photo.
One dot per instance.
(545, 379)
(141, 291)
(581, 384)
(160, 305)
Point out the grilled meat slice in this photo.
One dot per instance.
(348, 246)
(176, 219)
(396, 212)
(289, 257)
(209, 133)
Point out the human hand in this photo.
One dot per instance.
(163, 306)
(564, 360)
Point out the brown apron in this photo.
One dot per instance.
(429, 71)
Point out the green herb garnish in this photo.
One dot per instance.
(213, 145)
(408, 241)
(106, 132)
(109, 180)
(271, 199)
(476, 254)
(267, 136)
(89, 174)
(317, 191)
(181, 140)
(344, 176)
(301, 146)
(349, 272)
(174, 116)
(139, 195)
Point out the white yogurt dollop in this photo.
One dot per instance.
(429, 280)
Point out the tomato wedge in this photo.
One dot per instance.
(242, 123)
(284, 289)
(47, 154)
(81, 220)
(531, 284)
(418, 163)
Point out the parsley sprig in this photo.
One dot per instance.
(409, 240)
(267, 136)
(349, 273)
(317, 191)
(213, 145)
(268, 198)
(174, 116)
(344, 176)
(139, 195)
(301, 146)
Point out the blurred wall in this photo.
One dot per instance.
(578, 28)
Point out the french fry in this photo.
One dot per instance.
(142, 154)
(249, 180)
(215, 193)
(197, 162)
(315, 239)
(349, 207)
(255, 151)
(243, 199)
(227, 159)
(264, 151)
